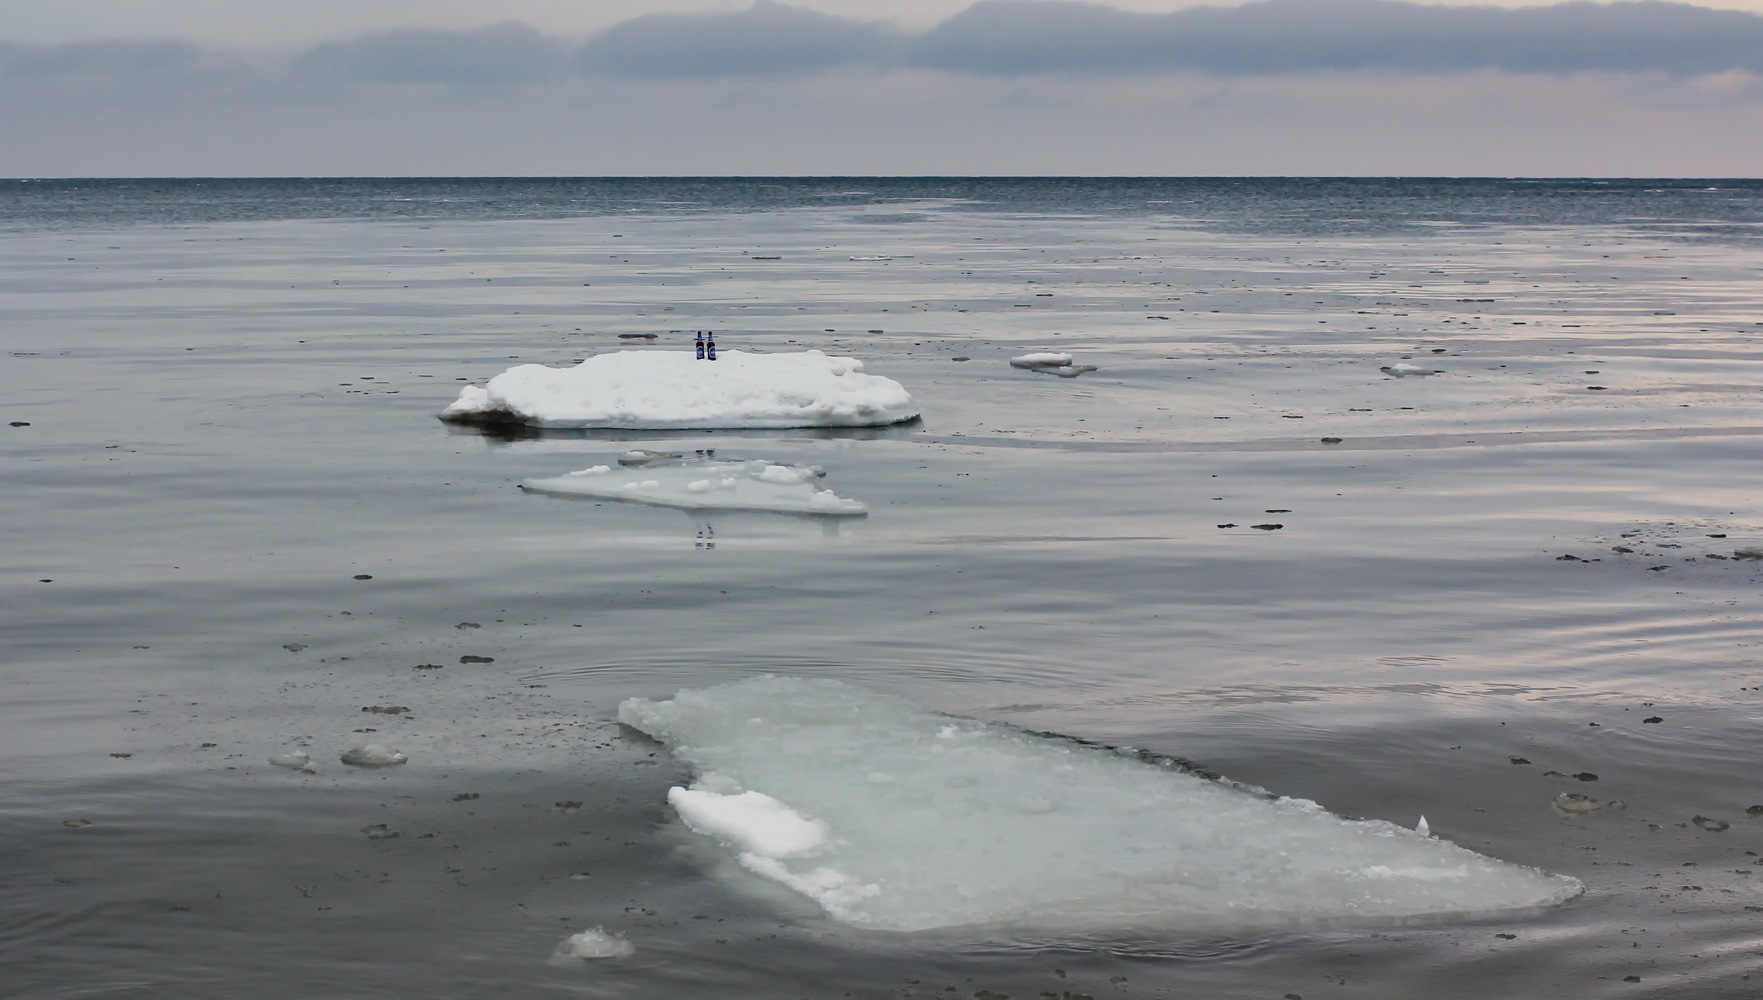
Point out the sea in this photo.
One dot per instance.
(1517, 595)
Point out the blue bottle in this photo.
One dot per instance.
(710, 346)
(700, 345)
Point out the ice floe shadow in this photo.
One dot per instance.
(498, 432)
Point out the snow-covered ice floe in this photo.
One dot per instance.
(892, 817)
(706, 485)
(591, 945)
(673, 389)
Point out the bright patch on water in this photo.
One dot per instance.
(892, 817)
(707, 485)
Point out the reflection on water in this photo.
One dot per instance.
(233, 522)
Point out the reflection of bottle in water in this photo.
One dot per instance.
(710, 347)
(700, 345)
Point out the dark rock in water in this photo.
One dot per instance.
(468, 658)
(1518, 760)
(1621, 548)
(1507, 937)
(293, 647)
(1631, 979)
(1586, 776)
(466, 796)
(1331, 440)
(1653, 718)
(380, 831)
(1597, 387)
(1710, 824)
(1227, 525)
(364, 576)
(1754, 811)
(468, 625)
(963, 358)
(386, 709)
(1717, 536)
(636, 336)
(1267, 527)
(427, 666)
(1655, 569)
(1748, 554)
(21, 423)
(1277, 510)
(1567, 558)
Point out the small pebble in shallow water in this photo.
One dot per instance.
(380, 831)
(1586, 776)
(1574, 802)
(1518, 760)
(373, 755)
(468, 625)
(294, 758)
(1710, 824)
(1267, 527)
(468, 658)
(1652, 718)
(294, 647)
(590, 945)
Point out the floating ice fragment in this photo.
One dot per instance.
(380, 831)
(1577, 803)
(591, 945)
(670, 389)
(1403, 368)
(711, 485)
(1043, 360)
(1423, 828)
(1710, 824)
(373, 755)
(643, 456)
(973, 823)
(296, 759)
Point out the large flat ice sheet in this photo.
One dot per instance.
(896, 818)
(673, 389)
(706, 485)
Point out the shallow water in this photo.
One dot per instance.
(214, 454)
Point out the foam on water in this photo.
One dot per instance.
(707, 485)
(892, 817)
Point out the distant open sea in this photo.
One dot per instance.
(232, 528)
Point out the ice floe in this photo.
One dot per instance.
(896, 818)
(373, 755)
(1051, 364)
(706, 485)
(1402, 368)
(673, 389)
(590, 945)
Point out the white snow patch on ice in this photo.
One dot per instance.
(1402, 368)
(896, 818)
(709, 485)
(590, 945)
(672, 389)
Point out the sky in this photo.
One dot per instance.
(689, 87)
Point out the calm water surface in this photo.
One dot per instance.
(230, 391)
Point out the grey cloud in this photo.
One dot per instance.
(507, 53)
(97, 59)
(1283, 36)
(1023, 37)
(769, 39)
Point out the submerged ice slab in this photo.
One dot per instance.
(672, 389)
(707, 485)
(892, 817)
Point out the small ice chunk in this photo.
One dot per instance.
(373, 755)
(591, 945)
(643, 456)
(1403, 368)
(294, 758)
(1577, 803)
(712, 485)
(671, 389)
(380, 831)
(1069, 371)
(1042, 360)
(1423, 828)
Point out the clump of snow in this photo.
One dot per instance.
(1043, 360)
(708, 485)
(892, 817)
(295, 759)
(672, 389)
(373, 755)
(591, 945)
(1403, 368)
